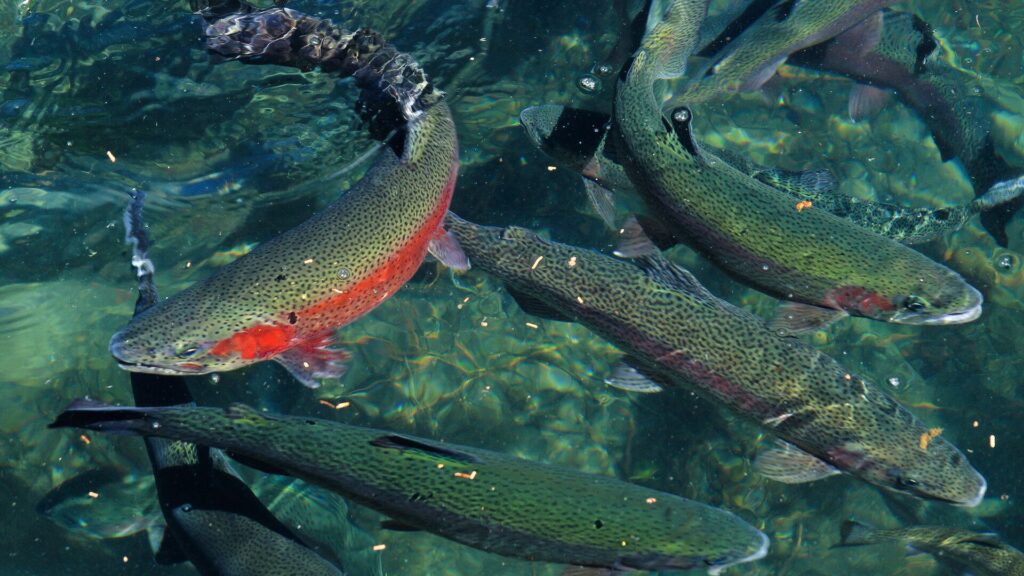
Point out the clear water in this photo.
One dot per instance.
(233, 155)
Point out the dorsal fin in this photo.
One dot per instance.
(399, 442)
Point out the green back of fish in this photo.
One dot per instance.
(480, 498)
(754, 231)
(675, 329)
(329, 254)
(237, 545)
(978, 554)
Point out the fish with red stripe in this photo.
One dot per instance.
(284, 300)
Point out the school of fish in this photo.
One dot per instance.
(791, 235)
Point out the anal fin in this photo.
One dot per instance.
(312, 360)
(446, 249)
(626, 377)
(535, 306)
(790, 465)
(794, 318)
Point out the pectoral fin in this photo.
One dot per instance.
(794, 318)
(312, 360)
(602, 201)
(168, 551)
(761, 77)
(790, 465)
(446, 249)
(866, 101)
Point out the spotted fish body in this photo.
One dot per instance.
(284, 300)
(751, 59)
(483, 499)
(676, 332)
(755, 232)
(962, 550)
(565, 134)
(213, 520)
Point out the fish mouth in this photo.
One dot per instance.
(969, 314)
(181, 370)
(971, 503)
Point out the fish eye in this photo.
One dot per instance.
(186, 351)
(914, 304)
(907, 482)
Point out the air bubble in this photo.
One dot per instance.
(215, 378)
(1006, 262)
(589, 84)
(682, 115)
(603, 70)
(343, 273)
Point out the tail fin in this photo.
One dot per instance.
(999, 193)
(855, 534)
(93, 415)
(673, 28)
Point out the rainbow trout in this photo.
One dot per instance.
(284, 300)
(788, 26)
(576, 139)
(675, 332)
(212, 519)
(756, 232)
(479, 498)
(961, 550)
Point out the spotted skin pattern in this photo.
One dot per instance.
(962, 550)
(235, 544)
(291, 293)
(684, 336)
(479, 498)
(755, 233)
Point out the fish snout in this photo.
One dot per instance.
(118, 349)
(981, 486)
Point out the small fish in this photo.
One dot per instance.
(565, 134)
(907, 60)
(675, 333)
(826, 265)
(284, 300)
(94, 504)
(487, 500)
(962, 550)
(749, 60)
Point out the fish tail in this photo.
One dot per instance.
(999, 193)
(853, 533)
(672, 33)
(93, 415)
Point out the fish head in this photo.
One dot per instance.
(162, 340)
(945, 300)
(915, 462)
(570, 136)
(955, 302)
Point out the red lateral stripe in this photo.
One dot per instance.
(264, 341)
